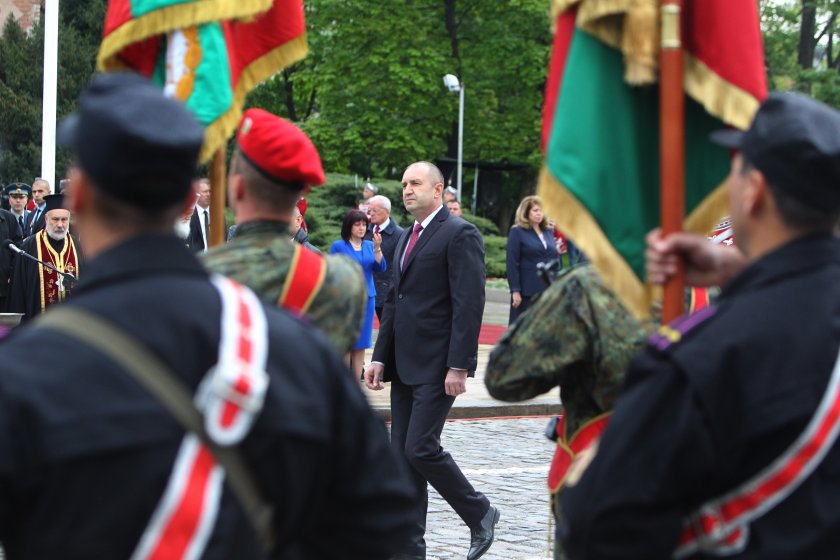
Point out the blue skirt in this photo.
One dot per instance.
(367, 327)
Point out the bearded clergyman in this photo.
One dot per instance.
(34, 287)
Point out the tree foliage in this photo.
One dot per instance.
(371, 94)
(802, 46)
(21, 83)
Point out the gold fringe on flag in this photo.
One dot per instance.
(720, 98)
(579, 225)
(632, 26)
(166, 20)
(584, 231)
(257, 71)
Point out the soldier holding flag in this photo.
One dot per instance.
(726, 445)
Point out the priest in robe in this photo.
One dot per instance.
(34, 287)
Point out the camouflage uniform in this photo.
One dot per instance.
(577, 335)
(259, 256)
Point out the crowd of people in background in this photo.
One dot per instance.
(370, 241)
(33, 221)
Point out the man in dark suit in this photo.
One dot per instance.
(427, 347)
(379, 210)
(200, 220)
(9, 229)
(36, 221)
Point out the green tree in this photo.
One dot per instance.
(21, 83)
(371, 95)
(802, 46)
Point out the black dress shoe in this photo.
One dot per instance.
(482, 536)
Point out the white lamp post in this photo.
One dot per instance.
(452, 84)
(50, 92)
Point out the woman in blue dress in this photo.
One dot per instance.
(369, 255)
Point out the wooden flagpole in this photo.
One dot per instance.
(672, 144)
(218, 189)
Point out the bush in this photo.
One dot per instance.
(485, 226)
(495, 252)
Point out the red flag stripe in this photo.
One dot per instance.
(559, 52)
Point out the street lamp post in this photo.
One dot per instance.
(452, 84)
(48, 114)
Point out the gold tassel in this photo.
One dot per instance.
(640, 42)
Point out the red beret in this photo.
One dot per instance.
(279, 148)
(302, 204)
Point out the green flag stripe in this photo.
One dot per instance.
(212, 95)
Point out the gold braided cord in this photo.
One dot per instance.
(166, 20)
(217, 133)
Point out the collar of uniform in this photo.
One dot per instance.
(261, 226)
(792, 259)
(140, 256)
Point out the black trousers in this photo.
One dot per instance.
(418, 413)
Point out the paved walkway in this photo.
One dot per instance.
(476, 402)
(507, 459)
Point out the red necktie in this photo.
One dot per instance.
(411, 241)
(376, 230)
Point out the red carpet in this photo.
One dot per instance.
(489, 334)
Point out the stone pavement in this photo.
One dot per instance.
(507, 459)
(476, 402)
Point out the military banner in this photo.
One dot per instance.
(207, 53)
(600, 178)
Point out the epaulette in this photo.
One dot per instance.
(666, 335)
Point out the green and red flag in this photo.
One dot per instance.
(207, 53)
(600, 179)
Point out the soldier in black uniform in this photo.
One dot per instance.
(87, 454)
(723, 441)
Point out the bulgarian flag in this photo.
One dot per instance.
(207, 53)
(600, 179)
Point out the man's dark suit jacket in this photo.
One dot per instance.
(432, 317)
(29, 227)
(195, 240)
(383, 281)
(9, 229)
